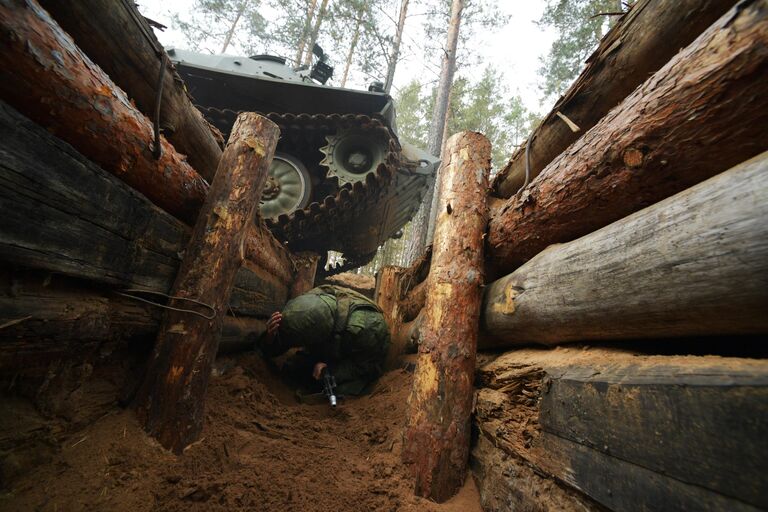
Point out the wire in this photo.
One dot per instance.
(126, 293)
(157, 149)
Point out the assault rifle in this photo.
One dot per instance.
(329, 386)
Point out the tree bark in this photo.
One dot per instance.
(351, 53)
(633, 432)
(305, 32)
(52, 199)
(387, 296)
(51, 317)
(702, 113)
(420, 223)
(231, 31)
(49, 79)
(693, 264)
(413, 302)
(393, 59)
(116, 37)
(306, 270)
(639, 44)
(437, 434)
(315, 32)
(170, 401)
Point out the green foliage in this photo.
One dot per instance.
(208, 22)
(373, 44)
(580, 28)
(477, 16)
(485, 106)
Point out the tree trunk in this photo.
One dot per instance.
(638, 45)
(435, 195)
(393, 59)
(420, 223)
(49, 79)
(115, 36)
(686, 123)
(306, 269)
(52, 199)
(231, 31)
(351, 52)
(413, 302)
(693, 264)
(170, 401)
(632, 432)
(315, 32)
(51, 317)
(305, 32)
(387, 296)
(436, 441)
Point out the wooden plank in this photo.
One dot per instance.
(634, 432)
(171, 401)
(686, 123)
(52, 199)
(437, 433)
(117, 38)
(640, 43)
(693, 264)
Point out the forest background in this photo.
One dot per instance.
(512, 60)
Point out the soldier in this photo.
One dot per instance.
(336, 328)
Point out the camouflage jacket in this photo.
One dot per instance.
(351, 335)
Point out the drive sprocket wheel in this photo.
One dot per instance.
(288, 187)
(353, 154)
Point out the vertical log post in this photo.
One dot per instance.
(436, 442)
(170, 400)
(387, 296)
(306, 270)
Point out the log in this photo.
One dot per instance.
(414, 301)
(507, 483)
(119, 40)
(437, 433)
(693, 264)
(170, 402)
(640, 43)
(634, 432)
(306, 268)
(387, 296)
(52, 198)
(702, 113)
(48, 317)
(44, 75)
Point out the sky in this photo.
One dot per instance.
(515, 48)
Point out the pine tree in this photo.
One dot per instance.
(215, 26)
(580, 25)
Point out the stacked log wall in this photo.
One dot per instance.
(640, 43)
(64, 215)
(629, 431)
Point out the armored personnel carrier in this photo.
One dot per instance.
(340, 180)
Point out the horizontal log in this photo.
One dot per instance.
(702, 113)
(45, 76)
(49, 317)
(693, 264)
(64, 214)
(634, 432)
(640, 43)
(507, 483)
(117, 38)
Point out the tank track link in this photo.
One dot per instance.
(351, 215)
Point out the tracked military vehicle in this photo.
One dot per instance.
(340, 180)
